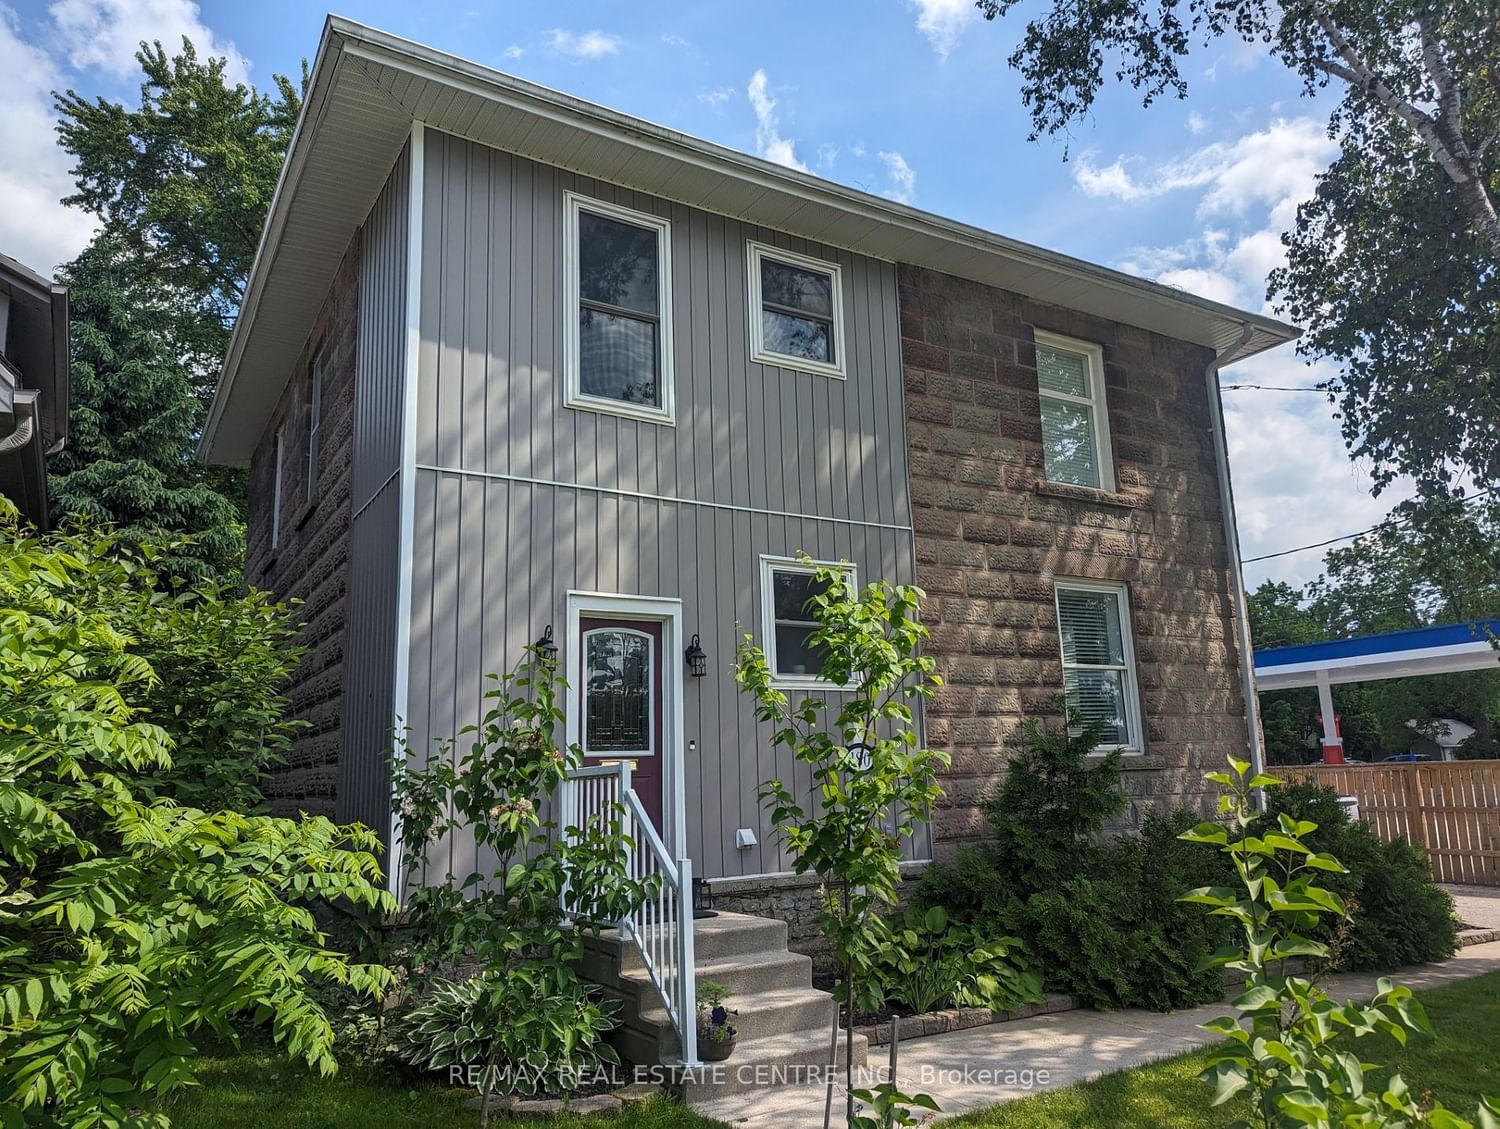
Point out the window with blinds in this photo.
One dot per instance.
(1099, 662)
(1075, 435)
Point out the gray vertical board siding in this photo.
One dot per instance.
(494, 562)
(494, 226)
(380, 369)
(374, 565)
(370, 663)
(521, 499)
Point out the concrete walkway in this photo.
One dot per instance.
(968, 1070)
(1478, 906)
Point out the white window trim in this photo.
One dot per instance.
(652, 659)
(755, 252)
(1097, 402)
(315, 419)
(573, 395)
(771, 564)
(278, 459)
(1121, 592)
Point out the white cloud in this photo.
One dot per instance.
(514, 51)
(1196, 123)
(768, 140)
(943, 22)
(1294, 483)
(675, 41)
(716, 98)
(105, 34)
(582, 44)
(34, 227)
(827, 154)
(903, 178)
(1248, 193)
(1276, 166)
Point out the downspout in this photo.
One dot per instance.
(1236, 570)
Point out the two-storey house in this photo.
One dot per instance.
(512, 366)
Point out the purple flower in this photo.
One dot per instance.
(719, 1016)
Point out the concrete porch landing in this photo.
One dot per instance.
(968, 1070)
(784, 1022)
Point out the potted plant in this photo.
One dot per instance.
(716, 1034)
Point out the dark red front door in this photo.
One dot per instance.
(619, 699)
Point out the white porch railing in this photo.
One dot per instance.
(662, 926)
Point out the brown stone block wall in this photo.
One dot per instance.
(311, 565)
(992, 535)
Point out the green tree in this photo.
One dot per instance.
(135, 415)
(180, 183)
(1391, 266)
(872, 782)
(132, 926)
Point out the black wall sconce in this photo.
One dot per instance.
(696, 660)
(545, 648)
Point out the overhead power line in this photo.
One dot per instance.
(1390, 524)
(1268, 388)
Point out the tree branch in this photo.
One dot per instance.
(1456, 161)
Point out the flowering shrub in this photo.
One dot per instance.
(520, 918)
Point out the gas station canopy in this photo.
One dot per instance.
(1443, 649)
(1395, 654)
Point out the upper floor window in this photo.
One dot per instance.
(796, 311)
(1099, 679)
(617, 288)
(787, 622)
(1075, 420)
(278, 455)
(314, 418)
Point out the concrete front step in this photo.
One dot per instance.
(796, 1058)
(783, 1021)
(715, 939)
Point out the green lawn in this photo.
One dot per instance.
(263, 1090)
(1459, 1066)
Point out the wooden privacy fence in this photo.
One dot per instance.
(1450, 808)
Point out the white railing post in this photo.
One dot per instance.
(687, 1007)
(661, 928)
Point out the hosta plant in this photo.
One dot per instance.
(549, 1043)
(1291, 1049)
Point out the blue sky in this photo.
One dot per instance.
(909, 98)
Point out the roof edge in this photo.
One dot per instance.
(343, 36)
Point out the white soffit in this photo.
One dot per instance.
(368, 88)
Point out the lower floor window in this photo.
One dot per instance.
(788, 623)
(1098, 661)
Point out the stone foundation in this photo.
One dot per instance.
(796, 900)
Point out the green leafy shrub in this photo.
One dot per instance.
(933, 962)
(222, 659)
(131, 926)
(1288, 1045)
(527, 1010)
(1098, 914)
(1397, 913)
